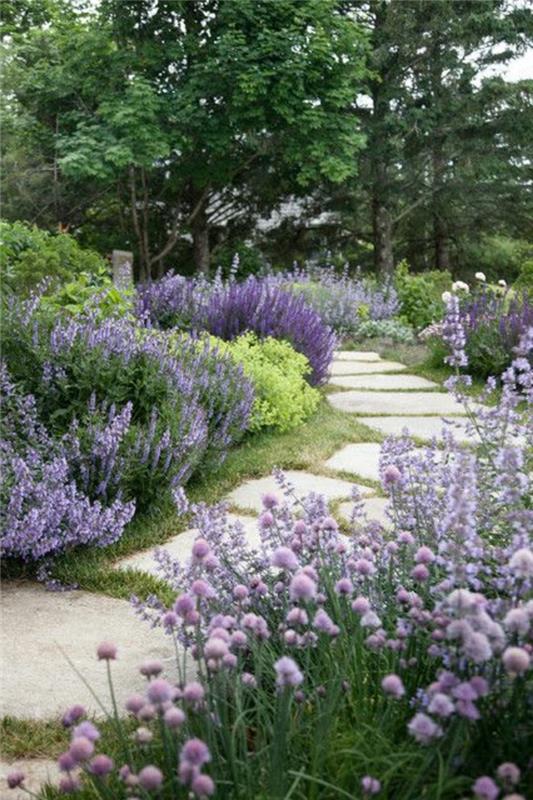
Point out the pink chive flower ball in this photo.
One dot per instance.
(393, 686)
(203, 786)
(302, 587)
(150, 778)
(287, 672)
(106, 651)
(15, 779)
(485, 788)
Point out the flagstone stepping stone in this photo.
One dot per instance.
(40, 628)
(356, 355)
(395, 403)
(383, 382)
(374, 508)
(364, 368)
(180, 546)
(38, 772)
(249, 494)
(422, 427)
(360, 459)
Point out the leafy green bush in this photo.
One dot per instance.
(283, 398)
(419, 295)
(388, 328)
(28, 255)
(90, 290)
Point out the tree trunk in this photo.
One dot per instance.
(381, 226)
(440, 234)
(200, 237)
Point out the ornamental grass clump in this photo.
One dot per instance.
(393, 662)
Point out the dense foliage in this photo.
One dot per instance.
(375, 130)
(393, 662)
(29, 255)
(282, 396)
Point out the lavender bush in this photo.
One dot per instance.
(394, 662)
(137, 410)
(228, 309)
(42, 512)
(342, 300)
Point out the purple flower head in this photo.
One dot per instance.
(195, 753)
(193, 692)
(150, 778)
(86, 729)
(485, 789)
(159, 691)
(106, 651)
(200, 549)
(66, 763)
(174, 717)
(15, 778)
(284, 558)
(391, 475)
(393, 686)
(72, 715)
(269, 500)
(101, 765)
(203, 786)
(151, 668)
(287, 673)
(516, 660)
(81, 749)
(508, 773)
(370, 785)
(424, 729)
(302, 587)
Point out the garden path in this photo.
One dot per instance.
(388, 401)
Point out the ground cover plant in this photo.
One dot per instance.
(393, 663)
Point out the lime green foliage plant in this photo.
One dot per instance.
(283, 398)
(420, 295)
(28, 255)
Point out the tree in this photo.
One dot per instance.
(198, 94)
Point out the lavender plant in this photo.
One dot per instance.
(228, 309)
(42, 512)
(394, 662)
(138, 410)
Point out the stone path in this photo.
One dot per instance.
(40, 626)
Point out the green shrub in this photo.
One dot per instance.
(420, 295)
(95, 290)
(283, 398)
(28, 255)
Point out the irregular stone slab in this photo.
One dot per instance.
(180, 546)
(382, 382)
(39, 627)
(249, 494)
(361, 459)
(38, 772)
(375, 508)
(356, 355)
(422, 427)
(364, 368)
(395, 403)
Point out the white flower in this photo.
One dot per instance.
(480, 276)
(502, 283)
(460, 286)
(446, 297)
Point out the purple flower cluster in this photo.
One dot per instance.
(42, 511)
(136, 409)
(229, 309)
(342, 300)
